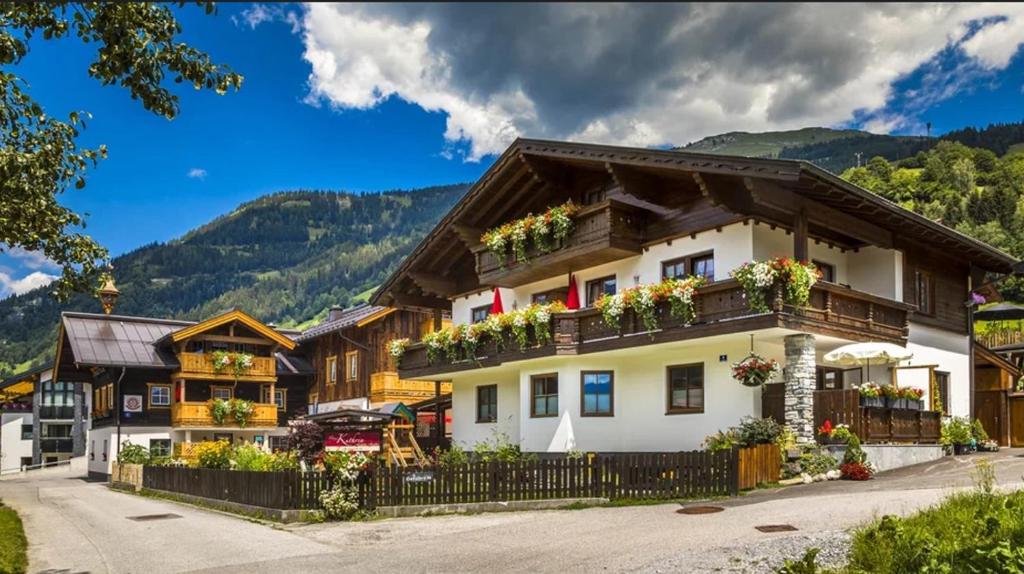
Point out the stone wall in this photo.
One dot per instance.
(126, 475)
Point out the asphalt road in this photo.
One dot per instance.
(78, 526)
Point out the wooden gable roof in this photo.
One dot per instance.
(534, 174)
(233, 316)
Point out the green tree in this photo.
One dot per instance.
(139, 49)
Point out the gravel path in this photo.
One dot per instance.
(765, 556)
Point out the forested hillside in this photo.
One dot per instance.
(285, 258)
(838, 150)
(971, 189)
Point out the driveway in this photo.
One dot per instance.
(78, 526)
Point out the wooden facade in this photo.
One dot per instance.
(361, 346)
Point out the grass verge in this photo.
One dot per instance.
(13, 544)
(976, 531)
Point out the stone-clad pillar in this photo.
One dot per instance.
(79, 425)
(800, 384)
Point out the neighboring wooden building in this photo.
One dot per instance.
(351, 363)
(889, 275)
(996, 404)
(151, 380)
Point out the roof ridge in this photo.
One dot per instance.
(132, 318)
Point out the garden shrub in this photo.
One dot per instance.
(956, 431)
(721, 441)
(453, 455)
(213, 454)
(752, 431)
(978, 432)
(341, 501)
(133, 454)
(499, 447)
(248, 456)
(854, 453)
(307, 439)
(814, 463)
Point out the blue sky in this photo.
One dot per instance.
(406, 96)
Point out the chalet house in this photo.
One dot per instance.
(642, 215)
(151, 380)
(353, 368)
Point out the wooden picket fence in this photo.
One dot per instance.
(759, 464)
(284, 490)
(613, 476)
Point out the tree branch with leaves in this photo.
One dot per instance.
(138, 49)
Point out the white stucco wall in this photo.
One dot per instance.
(949, 352)
(640, 422)
(732, 246)
(877, 271)
(12, 446)
(135, 435)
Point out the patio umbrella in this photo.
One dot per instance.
(861, 353)
(496, 306)
(858, 354)
(573, 300)
(1001, 312)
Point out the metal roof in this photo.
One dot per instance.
(119, 340)
(126, 341)
(348, 318)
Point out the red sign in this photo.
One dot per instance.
(352, 441)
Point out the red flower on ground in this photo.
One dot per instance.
(826, 429)
(855, 471)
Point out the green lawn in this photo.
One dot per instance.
(13, 557)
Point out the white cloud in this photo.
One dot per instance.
(197, 173)
(647, 74)
(32, 259)
(262, 13)
(10, 285)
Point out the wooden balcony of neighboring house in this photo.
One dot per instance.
(603, 232)
(1001, 338)
(199, 415)
(876, 424)
(200, 366)
(387, 387)
(721, 308)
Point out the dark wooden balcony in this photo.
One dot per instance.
(721, 308)
(876, 424)
(604, 232)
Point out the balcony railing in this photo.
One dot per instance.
(876, 424)
(51, 412)
(1003, 338)
(57, 445)
(200, 365)
(603, 232)
(386, 387)
(198, 415)
(721, 308)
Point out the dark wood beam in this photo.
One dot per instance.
(469, 234)
(650, 187)
(434, 284)
(408, 300)
(481, 209)
(768, 195)
(800, 248)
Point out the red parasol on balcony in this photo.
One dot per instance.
(497, 307)
(573, 300)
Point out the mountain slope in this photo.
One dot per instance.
(838, 150)
(285, 258)
(768, 144)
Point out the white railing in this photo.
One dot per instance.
(40, 466)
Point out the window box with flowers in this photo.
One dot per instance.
(543, 231)
(912, 398)
(237, 363)
(763, 281)
(643, 301)
(871, 395)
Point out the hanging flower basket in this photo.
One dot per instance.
(755, 370)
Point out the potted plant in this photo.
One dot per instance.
(912, 398)
(755, 370)
(956, 434)
(871, 395)
(893, 399)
